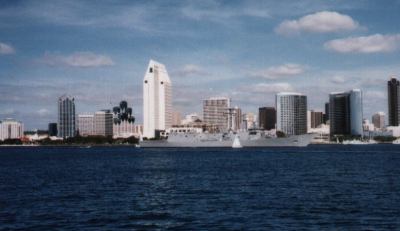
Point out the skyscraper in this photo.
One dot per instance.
(157, 99)
(393, 101)
(234, 118)
(345, 113)
(291, 113)
(266, 118)
(66, 117)
(316, 118)
(326, 115)
(215, 112)
(378, 119)
(103, 123)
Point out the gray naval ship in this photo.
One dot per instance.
(256, 138)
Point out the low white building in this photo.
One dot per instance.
(189, 119)
(11, 129)
(394, 130)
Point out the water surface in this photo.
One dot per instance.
(123, 188)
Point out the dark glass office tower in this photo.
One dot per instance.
(53, 129)
(346, 113)
(339, 113)
(326, 115)
(267, 118)
(393, 101)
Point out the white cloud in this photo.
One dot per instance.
(376, 43)
(189, 70)
(43, 112)
(274, 72)
(78, 59)
(320, 22)
(270, 87)
(6, 49)
(338, 79)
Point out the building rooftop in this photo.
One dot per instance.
(289, 93)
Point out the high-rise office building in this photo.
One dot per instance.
(86, 124)
(11, 129)
(157, 100)
(316, 118)
(53, 129)
(326, 115)
(215, 112)
(66, 117)
(291, 113)
(394, 101)
(103, 123)
(234, 118)
(345, 113)
(123, 121)
(266, 118)
(378, 119)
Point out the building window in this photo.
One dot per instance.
(162, 82)
(145, 81)
(151, 70)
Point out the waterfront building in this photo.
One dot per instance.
(291, 113)
(190, 119)
(267, 118)
(234, 118)
(378, 119)
(123, 121)
(326, 115)
(86, 124)
(345, 113)
(157, 100)
(138, 129)
(393, 101)
(316, 118)
(52, 129)
(250, 119)
(103, 123)
(215, 112)
(11, 129)
(66, 117)
(367, 126)
(176, 118)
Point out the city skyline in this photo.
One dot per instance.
(247, 51)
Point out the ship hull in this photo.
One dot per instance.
(292, 141)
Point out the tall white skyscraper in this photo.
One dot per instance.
(291, 113)
(157, 99)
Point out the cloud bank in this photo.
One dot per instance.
(78, 59)
(275, 72)
(6, 49)
(320, 22)
(376, 43)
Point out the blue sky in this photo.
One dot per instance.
(247, 50)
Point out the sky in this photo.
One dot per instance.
(98, 52)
